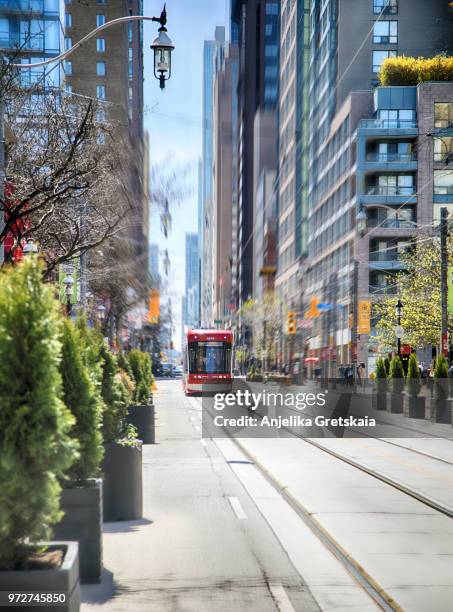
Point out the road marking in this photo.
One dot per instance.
(238, 510)
(281, 598)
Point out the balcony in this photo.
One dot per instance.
(389, 162)
(390, 224)
(385, 260)
(390, 191)
(388, 127)
(376, 194)
(383, 289)
(390, 157)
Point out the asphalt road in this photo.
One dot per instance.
(203, 545)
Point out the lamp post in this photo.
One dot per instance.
(30, 248)
(101, 313)
(362, 221)
(162, 47)
(68, 286)
(399, 310)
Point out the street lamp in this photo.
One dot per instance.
(361, 220)
(68, 286)
(162, 47)
(30, 248)
(399, 311)
(101, 312)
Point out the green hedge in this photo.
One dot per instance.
(141, 367)
(116, 396)
(83, 400)
(35, 446)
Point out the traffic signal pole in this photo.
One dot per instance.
(444, 279)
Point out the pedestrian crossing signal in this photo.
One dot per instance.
(292, 323)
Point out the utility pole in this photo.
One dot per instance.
(444, 279)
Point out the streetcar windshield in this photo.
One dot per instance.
(209, 358)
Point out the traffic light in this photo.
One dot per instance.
(292, 323)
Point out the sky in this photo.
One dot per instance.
(173, 119)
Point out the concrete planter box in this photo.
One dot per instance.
(143, 418)
(379, 400)
(64, 579)
(82, 522)
(123, 482)
(416, 406)
(441, 410)
(396, 402)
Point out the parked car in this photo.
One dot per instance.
(177, 372)
(167, 370)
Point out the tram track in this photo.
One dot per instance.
(362, 577)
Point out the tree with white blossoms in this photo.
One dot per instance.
(418, 288)
(263, 317)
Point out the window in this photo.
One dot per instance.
(443, 114)
(397, 118)
(386, 7)
(100, 92)
(379, 57)
(385, 32)
(100, 68)
(443, 182)
(100, 20)
(269, 29)
(394, 184)
(67, 43)
(68, 88)
(443, 149)
(100, 45)
(101, 2)
(4, 32)
(272, 8)
(32, 34)
(68, 1)
(271, 51)
(68, 67)
(68, 20)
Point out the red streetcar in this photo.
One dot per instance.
(208, 359)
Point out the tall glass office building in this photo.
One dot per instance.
(31, 30)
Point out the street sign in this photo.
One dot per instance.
(364, 325)
(218, 322)
(313, 308)
(399, 331)
(154, 307)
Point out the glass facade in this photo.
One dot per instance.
(33, 30)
